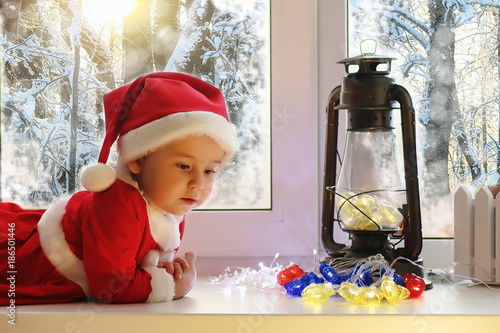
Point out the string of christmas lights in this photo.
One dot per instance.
(370, 281)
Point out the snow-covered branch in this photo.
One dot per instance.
(408, 23)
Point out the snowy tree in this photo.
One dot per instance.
(448, 51)
(227, 51)
(137, 37)
(166, 30)
(50, 128)
(59, 63)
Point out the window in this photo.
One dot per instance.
(59, 61)
(447, 57)
(306, 43)
(38, 98)
(291, 227)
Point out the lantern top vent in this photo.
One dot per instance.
(367, 65)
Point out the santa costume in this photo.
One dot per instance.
(105, 243)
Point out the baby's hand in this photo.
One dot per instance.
(176, 267)
(184, 273)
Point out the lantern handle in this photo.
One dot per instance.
(330, 173)
(374, 46)
(412, 231)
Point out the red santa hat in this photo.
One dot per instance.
(153, 111)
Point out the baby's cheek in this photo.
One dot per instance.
(205, 194)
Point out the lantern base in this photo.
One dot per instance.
(371, 242)
(367, 243)
(401, 266)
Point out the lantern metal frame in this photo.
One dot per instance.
(370, 91)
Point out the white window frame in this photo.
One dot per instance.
(308, 37)
(291, 226)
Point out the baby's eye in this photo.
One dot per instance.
(209, 171)
(182, 166)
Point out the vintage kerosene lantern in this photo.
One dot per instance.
(375, 198)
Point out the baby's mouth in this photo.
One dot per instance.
(189, 201)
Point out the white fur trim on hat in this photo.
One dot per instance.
(162, 285)
(146, 139)
(97, 177)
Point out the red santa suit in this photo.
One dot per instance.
(98, 245)
(106, 243)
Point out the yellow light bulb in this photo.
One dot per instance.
(353, 211)
(370, 224)
(369, 296)
(390, 216)
(349, 291)
(317, 293)
(346, 200)
(350, 218)
(393, 292)
(366, 203)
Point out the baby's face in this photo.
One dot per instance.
(179, 177)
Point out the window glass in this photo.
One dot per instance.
(60, 58)
(446, 55)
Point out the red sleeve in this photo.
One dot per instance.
(181, 226)
(181, 231)
(113, 230)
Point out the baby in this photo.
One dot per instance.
(115, 241)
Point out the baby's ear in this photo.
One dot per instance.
(135, 167)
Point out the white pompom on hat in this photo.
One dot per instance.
(153, 111)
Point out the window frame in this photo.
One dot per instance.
(292, 226)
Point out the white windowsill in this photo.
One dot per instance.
(209, 309)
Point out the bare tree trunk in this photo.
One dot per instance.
(443, 104)
(71, 165)
(194, 36)
(19, 22)
(98, 54)
(137, 41)
(73, 139)
(166, 33)
(102, 59)
(12, 11)
(467, 148)
(65, 89)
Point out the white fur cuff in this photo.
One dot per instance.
(55, 247)
(162, 285)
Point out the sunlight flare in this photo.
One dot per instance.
(103, 10)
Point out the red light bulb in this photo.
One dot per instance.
(289, 274)
(415, 284)
(296, 270)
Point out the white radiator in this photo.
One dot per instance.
(477, 234)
